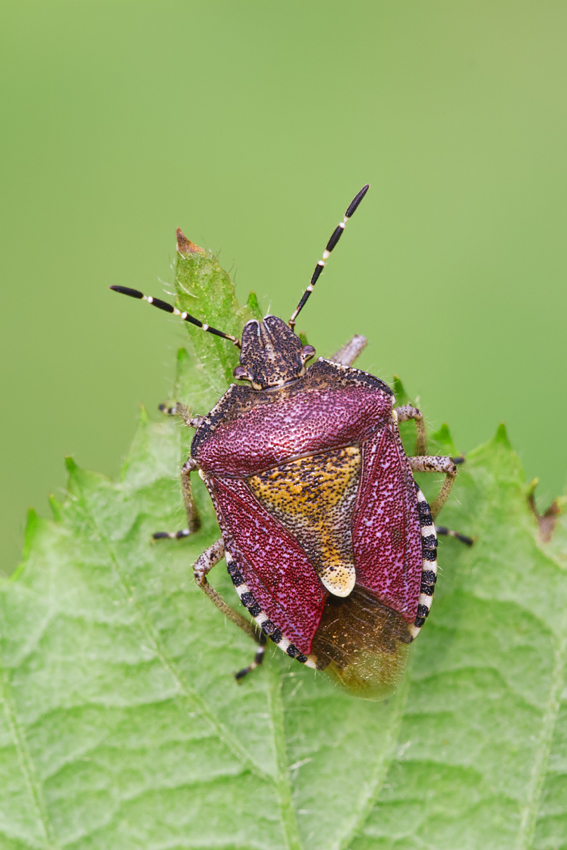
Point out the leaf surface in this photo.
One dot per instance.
(121, 724)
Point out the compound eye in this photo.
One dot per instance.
(307, 352)
(241, 373)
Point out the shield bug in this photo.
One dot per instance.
(329, 542)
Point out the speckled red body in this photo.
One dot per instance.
(330, 544)
(252, 431)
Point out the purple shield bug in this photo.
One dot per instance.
(329, 542)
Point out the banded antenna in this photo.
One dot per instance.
(337, 233)
(168, 308)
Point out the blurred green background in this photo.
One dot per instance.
(251, 125)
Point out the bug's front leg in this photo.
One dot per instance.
(436, 464)
(183, 411)
(346, 355)
(408, 411)
(202, 567)
(193, 520)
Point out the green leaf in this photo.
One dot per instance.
(204, 290)
(122, 726)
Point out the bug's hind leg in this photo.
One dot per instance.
(447, 465)
(193, 520)
(346, 355)
(202, 567)
(258, 658)
(408, 411)
(447, 532)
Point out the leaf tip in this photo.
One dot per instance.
(399, 390)
(182, 355)
(31, 515)
(501, 436)
(443, 434)
(532, 486)
(443, 441)
(397, 385)
(55, 507)
(70, 465)
(252, 302)
(32, 522)
(185, 246)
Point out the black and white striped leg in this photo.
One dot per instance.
(183, 411)
(346, 355)
(409, 412)
(193, 519)
(447, 532)
(427, 463)
(337, 233)
(203, 565)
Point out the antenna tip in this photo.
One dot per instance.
(125, 290)
(356, 201)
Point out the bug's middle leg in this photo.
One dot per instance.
(408, 411)
(448, 532)
(447, 465)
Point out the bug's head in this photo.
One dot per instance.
(271, 354)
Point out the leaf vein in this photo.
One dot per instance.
(537, 774)
(26, 763)
(151, 634)
(283, 784)
(381, 769)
